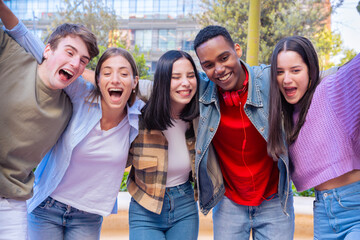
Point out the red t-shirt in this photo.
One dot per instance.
(250, 175)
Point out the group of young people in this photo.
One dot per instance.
(240, 134)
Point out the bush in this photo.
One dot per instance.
(123, 183)
(307, 193)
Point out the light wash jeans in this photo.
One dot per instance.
(178, 220)
(267, 221)
(57, 221)
(13, 223)
(337, 213)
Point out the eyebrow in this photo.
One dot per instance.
(75, 49)
(175, 73)
(121, 68)
(221, 54)
(296, 66)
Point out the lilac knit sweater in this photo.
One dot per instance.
(328, 144)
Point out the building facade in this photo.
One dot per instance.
(155, 26)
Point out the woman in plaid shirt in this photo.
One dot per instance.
(163, 205)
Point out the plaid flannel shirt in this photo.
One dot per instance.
(148, 156)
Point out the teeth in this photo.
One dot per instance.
(225, 77)
(115, 90)
(70, 73)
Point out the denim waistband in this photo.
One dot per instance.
(179, 187)
(353, 187)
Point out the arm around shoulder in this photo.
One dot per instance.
(145, 89)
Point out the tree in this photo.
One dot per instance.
(98, 18)
(348, 55)
(103, 22)
(328, 44)
(278, 19)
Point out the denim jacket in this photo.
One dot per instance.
(209, 177)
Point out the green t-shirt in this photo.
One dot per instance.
(32, 118)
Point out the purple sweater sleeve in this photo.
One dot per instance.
(344, 96)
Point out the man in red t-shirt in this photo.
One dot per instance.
(254, 200)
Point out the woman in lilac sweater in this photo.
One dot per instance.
(321, 120)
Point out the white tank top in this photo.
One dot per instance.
(179, 165)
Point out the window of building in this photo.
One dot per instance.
(143, 39)
(167, 39)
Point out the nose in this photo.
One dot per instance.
(75, 62)
(115, 78)
(185, 82)
(287, 78)
(219, 69)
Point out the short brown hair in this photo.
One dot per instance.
(75, 30)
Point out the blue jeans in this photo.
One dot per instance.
(179, 218)
(57, 221)
(267, 221)
(337, 213)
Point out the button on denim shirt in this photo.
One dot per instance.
(209, 176)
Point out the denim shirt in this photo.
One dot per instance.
(209, 176)
(86, 114)
(27, 40)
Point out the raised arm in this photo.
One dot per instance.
(18, 31)
(7, 16)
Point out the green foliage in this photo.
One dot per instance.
(358, 7)
(123, 182)
(141, 63)
(98, 18)
(348, 55)
(278, 19)
(328, 44)
(306, 193)
(92, 64)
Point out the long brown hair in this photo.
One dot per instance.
(281, 112)
(112, 52)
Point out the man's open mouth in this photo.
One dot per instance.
(65, 74)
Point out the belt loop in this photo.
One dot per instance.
(335, 193)
(317, 195)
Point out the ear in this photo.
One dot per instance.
(136, 80)
(238, 49)
(47, 51)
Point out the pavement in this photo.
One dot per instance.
(116, 226)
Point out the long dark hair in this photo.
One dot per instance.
(280, 109)
(157, 111)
